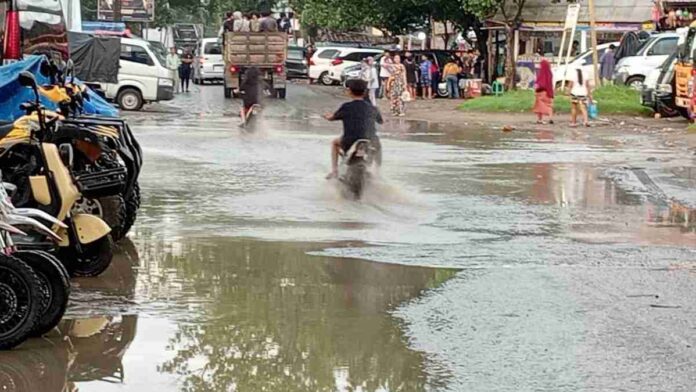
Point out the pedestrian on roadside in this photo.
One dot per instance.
(397, 87)
(544, 93)
(580, 94)
(607, 65)
(284, 23)
(411, 74)
(426, 77)
(450, 75)
(268, 23)
(385, 72)
(373, 81)
(255, 22)
(185, 70)
(435, 72)
(173, 63)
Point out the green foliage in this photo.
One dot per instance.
(610, 100)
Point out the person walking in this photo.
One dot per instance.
(173, 63)
(544, 93)
(397, 88)
(385, 73)
(411, 74)
(607, 65)
(185, 70)
(580, 93)
(426, 77)
(450, 75)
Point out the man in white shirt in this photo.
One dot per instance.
(173, 63)
(385, 72)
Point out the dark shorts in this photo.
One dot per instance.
(426, 81)
(578, 99)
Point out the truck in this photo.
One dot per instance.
(685, 70)
(266, 51)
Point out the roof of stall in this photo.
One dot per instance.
(611, 11)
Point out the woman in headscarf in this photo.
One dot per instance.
(543, 104)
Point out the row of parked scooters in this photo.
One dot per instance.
(69, 191)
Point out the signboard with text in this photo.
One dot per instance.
(126, 10)
(572, 16)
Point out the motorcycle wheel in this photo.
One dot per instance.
(356, 180)
(94, 259)
(55, 284)
(132, 207)
(19, 301)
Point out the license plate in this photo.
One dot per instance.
(217, 68)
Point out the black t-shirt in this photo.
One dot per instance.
(359, 118)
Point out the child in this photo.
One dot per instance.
(359, 118)
(426, 77)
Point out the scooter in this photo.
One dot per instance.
(354, 168)
(85, 248)
(53, 278)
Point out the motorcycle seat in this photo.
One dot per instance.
(5, 129)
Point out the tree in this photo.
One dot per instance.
(511, 11)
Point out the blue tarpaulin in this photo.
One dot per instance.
(12, 94)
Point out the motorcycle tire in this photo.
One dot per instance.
(94, 259)
(55, 283)
(19, 301)
(356, 180)
(132, 207)
(114, 213)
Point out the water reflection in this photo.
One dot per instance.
(277, 319)
(80, 350)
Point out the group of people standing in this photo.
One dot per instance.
(182, 67)
(580, 94)
(255, 22)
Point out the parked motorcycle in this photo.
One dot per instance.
(85, 248)
(354, 169)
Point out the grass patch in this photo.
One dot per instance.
(610, 100)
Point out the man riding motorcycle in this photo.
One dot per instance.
(252, 91)
(359, 118)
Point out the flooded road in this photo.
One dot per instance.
(480, 260)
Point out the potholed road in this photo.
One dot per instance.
(481, 261)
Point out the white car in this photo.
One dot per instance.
(142, 76)
(563, 73)
(208, 64)
(321, 63)
(633, 70)
(350, 58)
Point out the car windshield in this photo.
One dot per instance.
(294, 54)
(644, 46)
(161, 57)
(212, 48)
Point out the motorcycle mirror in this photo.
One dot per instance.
(27, 79)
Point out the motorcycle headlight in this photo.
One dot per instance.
(166, 82)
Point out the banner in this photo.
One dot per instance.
(129, 10)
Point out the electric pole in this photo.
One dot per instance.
(593, 38)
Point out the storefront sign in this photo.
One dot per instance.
(126, 10)
(572, 16)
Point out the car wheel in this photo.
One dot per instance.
(325, 79)
(130, 99)
(635, 82)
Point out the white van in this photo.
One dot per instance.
(564, 73)
(142, 77)
(208, 64)
(633, 70)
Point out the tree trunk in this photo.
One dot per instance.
(510, 64)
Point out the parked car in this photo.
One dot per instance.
(142, 77)
(351, 72)
(208, 64)
(321, 62)
(632, 71)
(296, 63)
(562, 75)
(658, 88)
(349, 58)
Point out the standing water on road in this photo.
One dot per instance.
(478, 261)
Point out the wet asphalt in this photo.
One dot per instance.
(478, 261)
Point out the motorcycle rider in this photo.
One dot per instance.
(359, 118)
(252, 91)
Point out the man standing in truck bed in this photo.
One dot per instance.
(268, 23)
